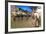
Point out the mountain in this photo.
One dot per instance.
(25, 8)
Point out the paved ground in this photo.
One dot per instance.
(23, 23)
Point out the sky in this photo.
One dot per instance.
(28, 8)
